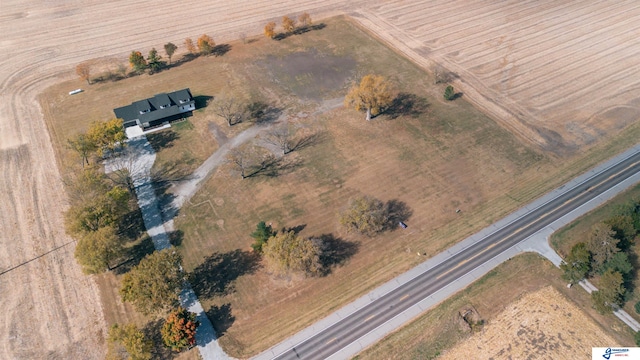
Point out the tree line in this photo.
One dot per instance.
(290, 26)
(99, 219)
(605, 256)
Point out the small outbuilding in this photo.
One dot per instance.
(158, 110)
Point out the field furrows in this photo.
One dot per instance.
(549, 64)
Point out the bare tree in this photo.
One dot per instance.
(304, 20)
(122, 169)
(84, 72)
(281, 136)
(229, 109)
(243, 37)
(241, 160)
(441, 75)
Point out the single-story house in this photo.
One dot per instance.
(158, 110)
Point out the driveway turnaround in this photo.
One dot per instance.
(371, 317)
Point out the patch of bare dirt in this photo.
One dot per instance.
(541, 325)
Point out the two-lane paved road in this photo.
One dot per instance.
(368, 318)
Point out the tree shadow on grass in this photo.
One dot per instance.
(162, 139)
(220, 50)
(272, 166)
(396, 211)
(134, 254)
(628, 282)
(406, 104)
(215, 276)
(335, 251)
(152, 331)
(261, 112)
(184, 59)
(131, 225)
(296, 229)
(299, 31)
(221, 318)
(308, 140)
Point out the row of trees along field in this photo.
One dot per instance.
(104, 220)
(154, 62)
(605, 258)
(289, 25)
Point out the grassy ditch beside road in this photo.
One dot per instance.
(439, 329)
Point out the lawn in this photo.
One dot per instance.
(434, 156)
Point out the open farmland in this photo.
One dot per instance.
(541, 304)
(52, 310)
(543, 324)
(562, 74)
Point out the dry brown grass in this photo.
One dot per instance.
(540, 69)
(447, 157)
(498, 299)
(542, 324)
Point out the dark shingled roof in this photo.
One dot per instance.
(156, 108)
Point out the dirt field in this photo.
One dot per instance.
(562, 73)
(541, 325)
(54, 312)
(442, 329)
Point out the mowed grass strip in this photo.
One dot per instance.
(436, 157)
(439, 329)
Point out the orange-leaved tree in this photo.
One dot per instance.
(270, 30)
(191, 47)
(179, 329)
(288, 24)
(84, 72)
(205, 44)
(137, 61)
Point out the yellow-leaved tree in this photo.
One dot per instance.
(365, 215)
(206, 44)
(270, 30)
(373, 95)
(107, 135)
(287, 252)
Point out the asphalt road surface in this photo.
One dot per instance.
(366, 319)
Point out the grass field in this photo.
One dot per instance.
(434, 156)
(497, 298)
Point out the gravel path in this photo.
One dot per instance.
(140, 169)
(184, 190)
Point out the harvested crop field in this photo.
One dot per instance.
(562, 73)
(54, 311)
(541, 325)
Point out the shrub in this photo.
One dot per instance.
(179, 330)
(449, 93)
